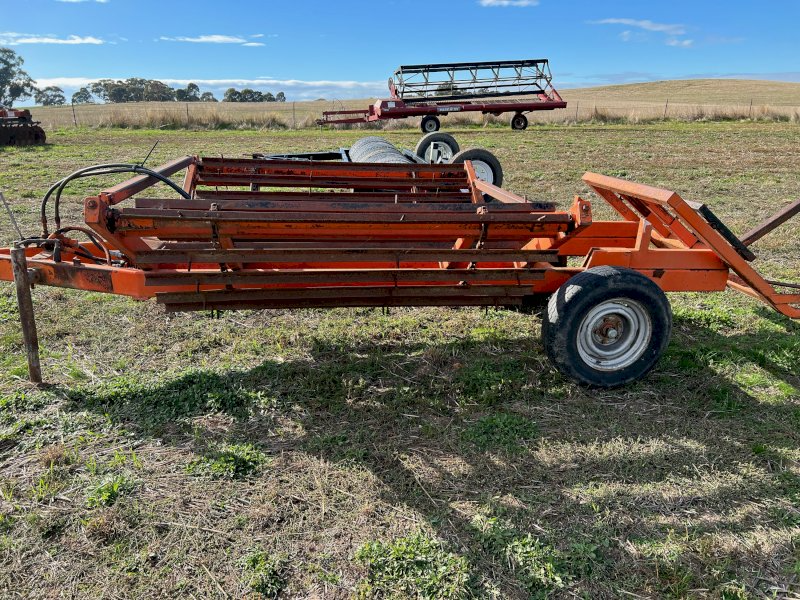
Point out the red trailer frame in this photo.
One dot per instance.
(430, 91)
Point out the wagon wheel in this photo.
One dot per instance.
(519, 122)
(487, 167)
(437, 147)
(607, 326)
(430, 124)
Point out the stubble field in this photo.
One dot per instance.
(409, 453)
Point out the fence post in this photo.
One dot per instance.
(666, 108)
(294, 116)
(187, 114)
(74, 118)
(750, 112)
(19, 266)
(577, 106)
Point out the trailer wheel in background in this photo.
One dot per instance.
(486, 165)
(519, 122)
(607, 326)
(437, 147)
(430, 124)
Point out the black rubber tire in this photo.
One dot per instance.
(437, 137)
(519, 122)
(429, 124)
(570, 304)
(38, 136)
(484, 156)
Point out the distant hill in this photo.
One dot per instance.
(694, 91)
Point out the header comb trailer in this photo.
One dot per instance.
(247, 233)
(436, 90)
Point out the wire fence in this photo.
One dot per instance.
(303, 115)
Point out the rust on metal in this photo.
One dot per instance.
(772, 223)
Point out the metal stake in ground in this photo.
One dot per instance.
(19, 266)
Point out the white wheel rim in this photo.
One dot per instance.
(614, 335)
(430, 125)
(438, 152)
(483, 171)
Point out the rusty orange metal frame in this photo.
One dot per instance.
(286, 233)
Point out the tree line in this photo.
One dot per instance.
(16, 85)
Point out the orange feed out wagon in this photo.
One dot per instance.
(282, 233)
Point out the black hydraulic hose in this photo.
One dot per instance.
(90, 234)
(68, 178)
(139, 170)
(93, 171)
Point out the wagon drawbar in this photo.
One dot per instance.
(259, 233)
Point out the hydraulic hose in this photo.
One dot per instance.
(93, 171)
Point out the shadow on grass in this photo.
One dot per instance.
(607, 469)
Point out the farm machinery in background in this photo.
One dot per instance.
(436, 90)
(396, 228)
(434, 148)
(17, 128)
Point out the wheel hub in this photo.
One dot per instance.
(483, 171)
(609, 330)
(438, 152)
(614, 334)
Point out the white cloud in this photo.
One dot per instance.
(10, 38)
(675, 42)
(492, 3)
(674, 31)
(206, 39)
(216, 39)
(645, 24)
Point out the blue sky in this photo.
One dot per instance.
(347, 49)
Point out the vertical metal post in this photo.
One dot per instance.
(19, 266)
(74, 117)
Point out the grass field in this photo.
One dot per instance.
(416, 453)
(691, 100)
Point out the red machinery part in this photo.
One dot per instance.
(435, 90)
(17, 128)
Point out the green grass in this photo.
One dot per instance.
(306, 437)
(233, 461)
(501, 430)
(108, 491)
(266, 574)
(414, 566)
